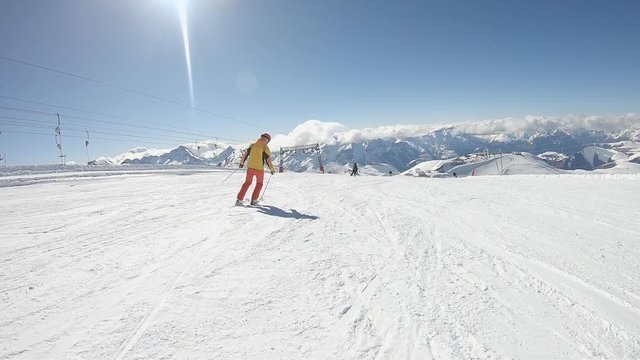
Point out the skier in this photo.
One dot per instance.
(354, 171)
(258, 154)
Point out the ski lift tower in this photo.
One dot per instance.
(3, 157)
(58, 132)
(300, 148)
(86, 145)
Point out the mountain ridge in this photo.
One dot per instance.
(561, 148)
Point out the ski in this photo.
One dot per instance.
(246, 203)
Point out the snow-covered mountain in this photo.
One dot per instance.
(179, 155)
(566, 149)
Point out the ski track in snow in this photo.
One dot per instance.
(162, 265)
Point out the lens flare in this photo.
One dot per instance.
(182, 13)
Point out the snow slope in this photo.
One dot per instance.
(597, 155)
(508, 164)
(499, 164)
(160, 265)
(621, 167)
(432, 166)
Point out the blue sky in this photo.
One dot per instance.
(273, 64)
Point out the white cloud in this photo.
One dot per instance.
(206, 147)
(544, 123)
(309, 132)
(315, 131)
(137, 150)
(136, 153)
(385, 132)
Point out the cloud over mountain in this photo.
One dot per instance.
(310, 132)
(403, 146)
(545, 123)
(315, 131)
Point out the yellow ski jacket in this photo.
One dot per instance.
(258, 154)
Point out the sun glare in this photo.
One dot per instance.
(182, 13)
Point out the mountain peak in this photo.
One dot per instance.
(404, 152)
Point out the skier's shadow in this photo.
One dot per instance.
(274, 211)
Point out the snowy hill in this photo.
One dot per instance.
(595, 156)
(180, 155)
(135, 155)
(150, 265)
(201, 153)
(503, 164)
(405, 149)
(620, 167)
(556, 159)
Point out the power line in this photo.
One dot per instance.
(157, 129)
(32, 123)
(99, 113)
(24, 122)
(68, 116)
(79, 137)
(80, 130)
(129, 90)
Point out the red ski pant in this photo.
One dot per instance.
(259, 174)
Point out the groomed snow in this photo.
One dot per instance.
(161, 265)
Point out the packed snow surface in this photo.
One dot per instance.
(160, 264)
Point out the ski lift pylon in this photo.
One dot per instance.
(302, 148)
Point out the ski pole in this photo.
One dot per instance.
(265, 187)
(234, 171)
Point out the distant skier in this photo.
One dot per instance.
(354, 171)
(258, 154)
